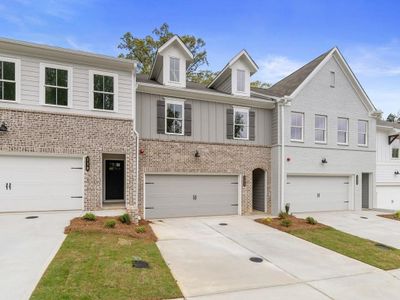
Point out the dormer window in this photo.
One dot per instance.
(241, 75)
(174, 69)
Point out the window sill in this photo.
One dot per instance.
(9, 101)
(241, 139)
(342, 144)
(321, 143)
(55, 105)
(297, 141)
(363, 146)
(104, 110)
(177, 134)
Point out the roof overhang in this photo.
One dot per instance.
(170, 91)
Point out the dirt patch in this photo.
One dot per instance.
(81, 225)
(390, 216)
(297, 224)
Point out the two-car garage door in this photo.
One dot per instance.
(33, 183)
(169, 196)
(317, 193)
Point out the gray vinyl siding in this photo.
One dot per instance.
(226, 86)
(275, 126)
(30, 86)
(208, 122)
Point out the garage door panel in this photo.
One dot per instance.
(41, 183)
(198, 195)
(388, 197)
(317, 193)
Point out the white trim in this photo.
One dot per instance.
(366, 133)
(176, 102)
(247, 125)
(91, 90)
(325, 129)
(347, 131)
(302, 126)
(42, 93)
(243, 72)
(170, 58)
(177, 39)
(17, 80)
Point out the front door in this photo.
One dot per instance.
(365, 190)
(115, 180)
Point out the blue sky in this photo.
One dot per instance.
(280, 35)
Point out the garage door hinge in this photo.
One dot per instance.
(346, 183)
(76, 197)
(346, 201)
(76, 168)
(234, 183)
(149, 207)
(235, 204)
(149, 182)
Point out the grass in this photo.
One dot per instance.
(99, 266)
(352, 246)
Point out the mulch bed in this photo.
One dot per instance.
(390, 216)
(81, 225)
(297, 224)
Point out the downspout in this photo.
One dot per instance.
(136, 182)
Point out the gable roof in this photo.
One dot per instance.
(223, 73)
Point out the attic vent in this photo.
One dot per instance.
(332, 79)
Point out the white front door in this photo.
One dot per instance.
(33, 183)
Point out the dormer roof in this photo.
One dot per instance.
(225, 72)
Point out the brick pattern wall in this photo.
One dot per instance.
(31, 132)
(178, 157)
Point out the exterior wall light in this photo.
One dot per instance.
(324, 161)
(3, 127)
(197, 153)
(396, 172)
(87, 163)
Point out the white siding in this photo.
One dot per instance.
(386, 165)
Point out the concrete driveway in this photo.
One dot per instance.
(211, 261)
(27, 247)
(365, 224)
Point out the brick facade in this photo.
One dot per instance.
(31, 132)
(178, 157)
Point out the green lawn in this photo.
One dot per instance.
(351, 246)
(98, 266)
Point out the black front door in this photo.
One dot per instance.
(115, 179)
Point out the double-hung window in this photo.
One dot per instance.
(297, 126)
(241, 80)
(174, 69)
(104, 91)
(8, 79)
(396, 149)
(57, 85)
(174, 117)
(362, 133)
(320, 129)
(343, 131)
(241, 123)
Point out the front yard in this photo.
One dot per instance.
(367, 251)
(98, 265)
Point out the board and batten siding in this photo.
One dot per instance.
(385, 164)
(208, 122)
(30, 86)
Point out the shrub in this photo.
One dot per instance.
(110, 223)
(125, 218)
(286, 222)
(397, 214)
(140, 229)
(267, 220)
(89, 217)
(311, 221)
(287, 208)
(283, 215)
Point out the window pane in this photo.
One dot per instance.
(362, 139)
(108, 101)
(1, 89)
(320, 122)
(297, 119)
(9, 90)
(62, 78)
(342, 124)
(1, 70)
(320, 135)
(170, 126)
(178, 126)
(108, 84)
(178, 111)
(240, 131)
(296, 133)
(240, 80)
(98, 83)
(8, 70)
(50, 76)
(51, 95)
(174, 69)
(98, 101)
(170, 110)
(240, 117)
(342, 137)
(395, 153)
(62, 97)
(362, 126)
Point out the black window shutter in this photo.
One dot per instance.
(160, 116)
(252, 125)
(229, 123)
(188, 119)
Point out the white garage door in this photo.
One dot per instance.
(388, 197)
(317, 193)
(29, 183)
(169, 196)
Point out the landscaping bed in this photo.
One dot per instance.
(395, 216)
(367, 251)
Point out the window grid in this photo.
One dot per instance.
(240, 80)
(174, 119)
(343, 131)
(396, 149)
(297, 127)
(241, 123)
(320, 128)
(362, 133)
(56, 93)
(7, 81)
(103, 92)
(174, 69)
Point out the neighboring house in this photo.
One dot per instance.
(323, 154)
(203, 150)
(67, 140)
(388, 165)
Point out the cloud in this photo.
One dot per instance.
(74, 44)
(275, 67)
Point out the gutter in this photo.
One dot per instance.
(136, 182)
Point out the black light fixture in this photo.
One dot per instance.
(3, 127)
(324, 161)
(87, 163)
(197, 153)
(396, 172)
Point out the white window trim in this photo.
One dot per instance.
(42, 92)
(325, 130)
(366, 133)
(91, 90)
(179, 70)
(179, 102)
(244, 81)
(246, 110)
(17, 75)
(302, 127)
(347, 132)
